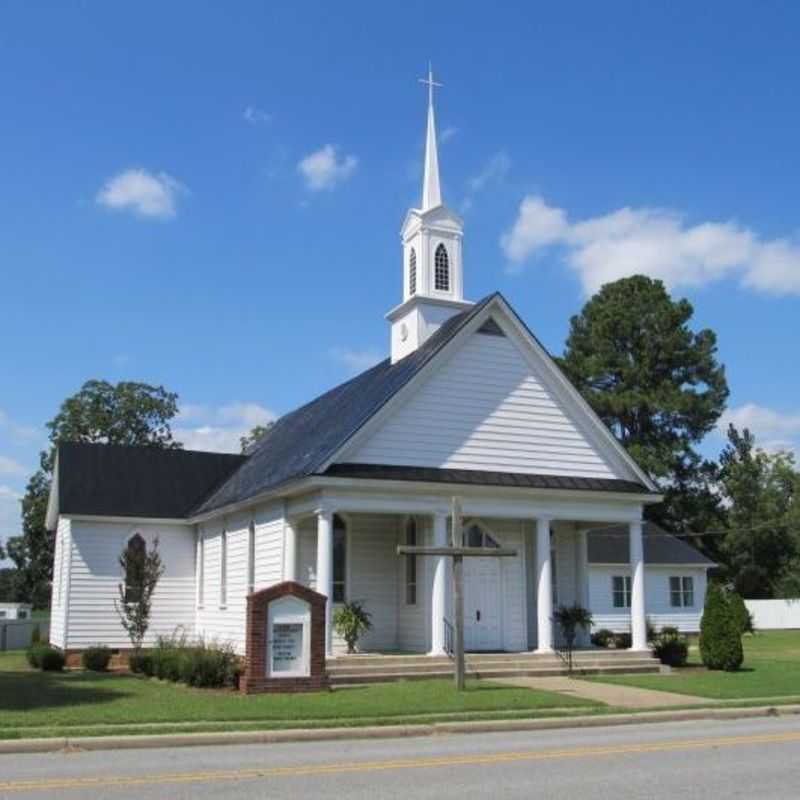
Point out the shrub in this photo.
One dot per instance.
(96, 658)
(34, 654)
(671, 647)
(36, 634)
(602, 637)
(351, 621)
(48, 659)
(720, 634)
(196, 664)
(622, 641)
(141, 663)
(744, 619)
(652, 632)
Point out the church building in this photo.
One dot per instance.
(468, 404)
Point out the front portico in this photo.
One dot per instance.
(342, 542)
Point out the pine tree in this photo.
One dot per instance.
(720, 635)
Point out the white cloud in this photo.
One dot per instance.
(447, 134)
(654, 242)
(256, 116)
(21, 432)
(10, 467)
(324, 168)
(356, 360)
(774, 430)
(10, 513)
(144, 194)
(494, 170)
(219, 429)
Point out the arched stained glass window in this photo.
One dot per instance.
(441, 269)
(412, 272)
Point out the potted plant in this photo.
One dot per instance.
(570, 618)
(351, 621)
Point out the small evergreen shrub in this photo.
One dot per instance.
(744, 619)
(671, 647)
(141, 664)
(351, 621)
(652, 633)
(602, 637)
(48, 659)
(720, 634)
(96, 658)
(196, 664)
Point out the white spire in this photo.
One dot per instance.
(431, 192)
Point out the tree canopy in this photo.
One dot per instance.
(123, 413)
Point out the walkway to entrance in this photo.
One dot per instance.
(610, 694)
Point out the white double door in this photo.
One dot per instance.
(483, 629)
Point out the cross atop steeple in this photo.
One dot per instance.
(431, 191)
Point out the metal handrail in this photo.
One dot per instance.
(449, 638)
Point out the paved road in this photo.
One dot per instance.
(745, 759)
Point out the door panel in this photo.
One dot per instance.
(482, 622)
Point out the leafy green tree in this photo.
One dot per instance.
(761, 493)
(656, 383)
(123, 413)
(720, 636)
(249, 441)
(8, 585)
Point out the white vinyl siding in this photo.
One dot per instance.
(484, 409)
(95, 575)
(60, 593)
(657, 598)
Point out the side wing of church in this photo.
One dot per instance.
(468, 404)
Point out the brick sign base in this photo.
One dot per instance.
(254, 678)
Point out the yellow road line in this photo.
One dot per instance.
(396, 764)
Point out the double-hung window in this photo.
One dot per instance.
(621, 591)
(681, 591)
(339, 560)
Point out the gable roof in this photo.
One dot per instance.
(300, 443)
(611, 546)
(125, 481)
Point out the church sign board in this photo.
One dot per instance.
(285, 648)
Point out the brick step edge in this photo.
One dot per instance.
(489, 667)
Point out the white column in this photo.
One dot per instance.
(544, 587)
(289, 551)
(638, 619)
(325, 570)
(582, 577)
(439, 588)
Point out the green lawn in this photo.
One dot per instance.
(34, 703)
(771, 669)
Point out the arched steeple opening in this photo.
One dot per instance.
(412, 272)
(441, 269)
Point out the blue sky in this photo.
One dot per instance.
(209, 197)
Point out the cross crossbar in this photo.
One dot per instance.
(477, 552)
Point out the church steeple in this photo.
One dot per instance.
(433, 280)
(431, 191)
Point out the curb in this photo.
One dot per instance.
(384, 731)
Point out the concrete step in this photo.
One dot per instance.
(519, 665)
(350, 678)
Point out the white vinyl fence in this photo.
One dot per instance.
(16, 634)
(774, 614)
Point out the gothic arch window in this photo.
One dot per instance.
(475, 535)
(133, 563)
(412, 272)
(441, 269)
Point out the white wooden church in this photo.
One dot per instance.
(468, 404)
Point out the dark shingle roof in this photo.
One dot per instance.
(610, 546)
(300, 442)
(122, 481)
(482, 477)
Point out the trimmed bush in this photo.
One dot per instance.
(602, 637)
(720, 634)
(671, 647)
(141, 664)
(744, 619)
(96, 658)
(48, 659)
(198, 664)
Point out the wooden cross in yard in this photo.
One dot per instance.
(457, 551)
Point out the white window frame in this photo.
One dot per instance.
(223, 568)
(251, 557)
(627, 589)
(447, 273)
(685, 590)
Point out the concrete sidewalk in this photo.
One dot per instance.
(609, 693)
